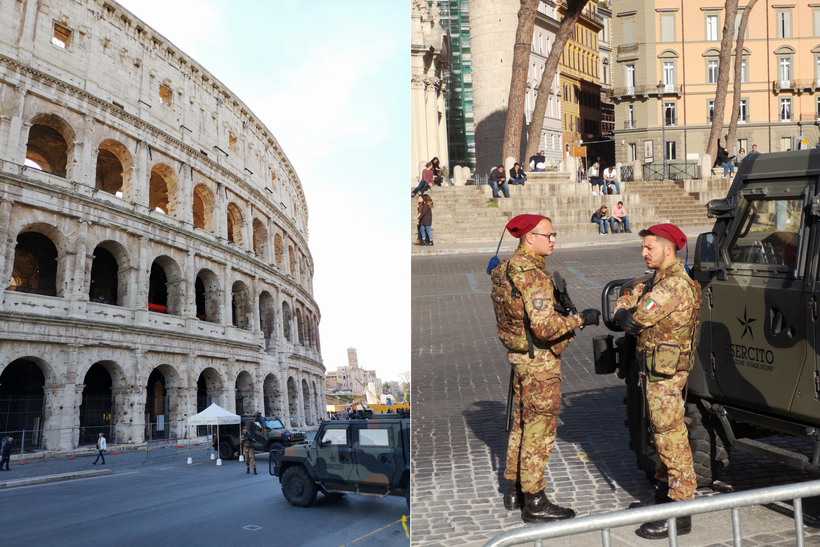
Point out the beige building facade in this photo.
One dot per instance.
(677, 45)
(352, 377)
(154, 246)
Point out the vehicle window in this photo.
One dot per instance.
(335, 436)
(768, 233)
(274, 424)
(374, 437)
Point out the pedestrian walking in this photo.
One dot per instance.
(246, 444)
(5, 453)
(535, 336)
(100, 449)
(662, 314)
(426, 220)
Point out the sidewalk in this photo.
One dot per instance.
(509, 243)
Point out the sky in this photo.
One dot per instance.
(331, 81)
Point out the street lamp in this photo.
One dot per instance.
(661, 88)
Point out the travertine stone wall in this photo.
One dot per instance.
(174, 138)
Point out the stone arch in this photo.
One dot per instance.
(260, 239)
(286, 321)
(209, 386)
(267, 319)
(100, 407)
(784, 50)
(293, 401)
(162, 190)
(115, 168)
(245, 402)
(279, 249)
(235, 224)
(162, 404)
(36, 268)
(308, 407)
(24, 384)
(165, 290)
(47, 148)
(272, 396)
(110, 274)
(300, 334)
(207, 295)
(203, 208)
(241, 306)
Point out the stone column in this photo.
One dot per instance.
(8, 243)
(14, 150)
(418, 137)
(220, 212)
(80, 168)
(140, 180)
(248, 226)
(254, 315)
(228, 300)
(185, 195)
(190, 293)
(82, 262)
(301, 398)
(441, 113)
(143, 279)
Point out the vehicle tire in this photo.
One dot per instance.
(297, 486)
(647, 457)
(710, 450)
(225, 450)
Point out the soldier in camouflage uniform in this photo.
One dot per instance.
(537, 378)
(247, 450)
(664, 316)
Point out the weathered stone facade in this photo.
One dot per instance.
(154, 236)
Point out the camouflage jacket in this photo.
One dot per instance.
(550, 330)
(669, 311)
(246, 440)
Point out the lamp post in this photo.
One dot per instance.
(661, 88)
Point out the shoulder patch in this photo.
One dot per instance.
(537, 303)
(650, 305)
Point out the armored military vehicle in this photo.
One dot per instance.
(268, 434)
(757, 369)
(369, 457)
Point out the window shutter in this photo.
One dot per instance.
(628, 34)
(667, 28)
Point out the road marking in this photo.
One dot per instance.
(252, 527)
(403, 520)
(473, 284)
(580, 276)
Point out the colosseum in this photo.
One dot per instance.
(154, 238)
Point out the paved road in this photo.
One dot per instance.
(173, 503)
(460, 378)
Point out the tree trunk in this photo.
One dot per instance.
(574, 9)
(518, 81)
(729, 13)
(741, 29)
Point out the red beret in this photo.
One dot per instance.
(523, 224)
(670, 232)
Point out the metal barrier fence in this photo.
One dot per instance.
(165, 448)
(627, 173)
(667, 511)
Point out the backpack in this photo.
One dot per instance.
(509, 306)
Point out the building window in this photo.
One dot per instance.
(712, 71)
(743, 112)
(671, 151)
(785, 71)
(785, 110)
(669, 76)
(712, 28)
(815, 14)
(817, 112)
(630, 79)
(165, 94)
(784, 23)
(61, 37)
(785, 144)
(711, 107)
(667, 27)
(737, 24)
(744, 144)
(629, 36)
(630, 117)
(669, 114)
(744, 76)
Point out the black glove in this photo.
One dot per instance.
(624, 319)
(591, 317)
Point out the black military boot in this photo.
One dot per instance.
(661, 495)
(247, 471)
(537, 508)
(513, 495)
(254, 471)
(660, 528)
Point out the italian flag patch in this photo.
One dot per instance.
(651, 305)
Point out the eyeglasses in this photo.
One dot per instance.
(553, 236)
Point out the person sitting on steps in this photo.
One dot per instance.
(619, 218)
(602, 219)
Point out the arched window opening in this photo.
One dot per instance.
(158, 289)
(47, 150)
(300, 336)
(109, 173)
(293, 269)
(203, 206)
(104, 278)
(206, 289)
(234, 224)
(35, 265)
(158, 192)
(208, 387)
(241, 306)
(22, 397)
(286, 320)
(260, 239)
(96, 406)
(272, 396)
(267, 319)
(306, 396)
(279, 247)
(244, 394)
(157, 407)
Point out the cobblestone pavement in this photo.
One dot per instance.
(460, 381)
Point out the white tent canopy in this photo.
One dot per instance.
(214, 415)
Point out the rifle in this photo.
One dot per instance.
(510, 413)
(565, 306)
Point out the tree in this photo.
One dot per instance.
(741, 31)
(404, 385)
(574, 10)
(729, 11)
(518, 81)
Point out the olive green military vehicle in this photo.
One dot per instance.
(757, 368)
(368, 457)
(267, 433)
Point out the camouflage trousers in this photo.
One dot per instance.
(665, 404)
(537, 398)
(247, 453)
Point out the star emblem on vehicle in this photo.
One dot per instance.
(746, 323)
(332, 458)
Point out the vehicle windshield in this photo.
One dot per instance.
(273, 423)
(769, 233)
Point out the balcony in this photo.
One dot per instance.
(644, 91)
(627, 48)
(810, 117)
(670, 121)
(795, 86)
(629, 124)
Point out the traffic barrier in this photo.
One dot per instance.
(166, 448)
